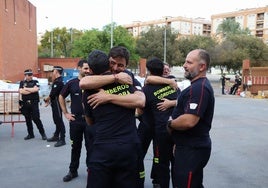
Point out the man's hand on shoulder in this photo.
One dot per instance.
(97, 99)
(124, 78)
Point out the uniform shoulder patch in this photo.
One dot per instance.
(193, 106)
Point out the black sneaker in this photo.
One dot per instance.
(28, 137)
(70, 176)
(53, 139)
(44, 136)
(60, 143)
(156, 185)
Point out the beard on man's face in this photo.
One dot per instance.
(189, 75)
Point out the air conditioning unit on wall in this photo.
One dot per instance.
(48, 68)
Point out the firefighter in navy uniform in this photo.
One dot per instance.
(57, 85)
(78, 126)
(113, 161)
(191, 123)
(29, 89)
(153, 124)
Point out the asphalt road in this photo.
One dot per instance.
(239, 156)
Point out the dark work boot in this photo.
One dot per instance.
(156, 185)
(70, 176)
(53, 139)
(44, 136)
(28, 137)
(60, 143)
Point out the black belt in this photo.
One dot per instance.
(29, 101)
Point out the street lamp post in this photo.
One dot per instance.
(165, 43)
(51, 44)
(71, 33)
(112, 28)
(165, 40)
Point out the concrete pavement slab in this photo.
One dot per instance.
(238, 160)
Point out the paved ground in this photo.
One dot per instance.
(239, 156)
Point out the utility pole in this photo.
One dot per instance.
(51, 44)
(165, 41)
(112, 27)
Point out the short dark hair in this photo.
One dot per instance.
(58, 68)
(155, 66)
(119, 51)
(204, 55)
(81, 62)
(98, 62)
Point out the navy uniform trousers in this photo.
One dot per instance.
(31, 112)
(113, 165)
(79, 130)
(57, 118)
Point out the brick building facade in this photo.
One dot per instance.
(18, 44)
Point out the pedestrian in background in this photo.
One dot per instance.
(191, 123)
(223, 80)
(29, 105)
(53, 99)
(235, 86)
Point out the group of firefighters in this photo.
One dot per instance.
(104, 107)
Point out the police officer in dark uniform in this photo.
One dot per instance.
(78, 126)
(29, 104)
(57, 85)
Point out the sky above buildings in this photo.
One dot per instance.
(88, 14)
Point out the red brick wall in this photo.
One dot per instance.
(142, 66)
(257, 75)
(66, 63)
(18, 41)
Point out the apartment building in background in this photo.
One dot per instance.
(18, 44)
(184, 26)
(255, 19)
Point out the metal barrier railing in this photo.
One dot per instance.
(9, 109)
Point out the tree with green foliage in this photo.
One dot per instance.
(187, 44)
(231, 27)
(237, 45)
(254, 49)
(74, 43)
(227, 55)
(90, 40)
(121, 37)
(62, 39)
(151, 43)
(96, 39)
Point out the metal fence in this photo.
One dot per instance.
(9, 109)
